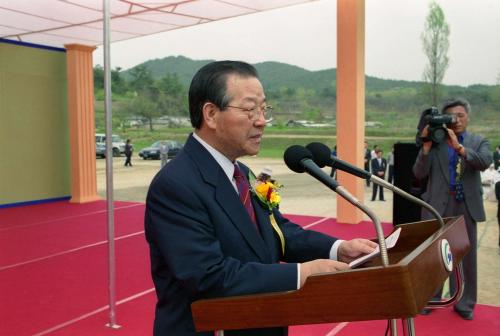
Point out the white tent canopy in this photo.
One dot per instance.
(59, 22)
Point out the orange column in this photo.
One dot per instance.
(350, 100)
(81, 123)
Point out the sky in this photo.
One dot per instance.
(305, 35)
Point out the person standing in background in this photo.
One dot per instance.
(452, 169)
(367, 161)
(163, 154)
(390, 164)
(496, 157)
(373, 153)
(129, 149)
(379, 165)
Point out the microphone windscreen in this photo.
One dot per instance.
(321, 154)
(293, 157)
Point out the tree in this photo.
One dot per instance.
(173, 98)
(171, 85)
(98, 77)
(142, 106)
(435, 45)
(142, 79)
(118, 85)
(495, 93)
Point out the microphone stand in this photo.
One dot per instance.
(378, 227)
(381, 239)
(387, 185)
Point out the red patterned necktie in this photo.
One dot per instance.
(244, 191)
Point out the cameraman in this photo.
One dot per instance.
(452, 168)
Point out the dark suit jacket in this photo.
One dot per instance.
(376, 167)
(204, 245)
(497, 193)
(496, 159)
(435, 167)
(368, 157)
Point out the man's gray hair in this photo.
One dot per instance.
(452, 102)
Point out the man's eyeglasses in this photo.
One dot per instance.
(255, 112)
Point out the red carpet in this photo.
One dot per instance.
(53, 275)
(443, 322)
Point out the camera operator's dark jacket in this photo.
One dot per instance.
(434, 166)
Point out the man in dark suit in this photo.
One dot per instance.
(496, 157)
(379, 165)
(209, 236)
(454, 186)
(367, 159)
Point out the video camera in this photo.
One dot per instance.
(436, 121)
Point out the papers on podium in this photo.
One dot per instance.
(390, 242)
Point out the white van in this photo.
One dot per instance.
(118, 143)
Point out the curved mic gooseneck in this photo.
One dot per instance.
(299, 159)
(322, 157)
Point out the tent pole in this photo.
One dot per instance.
(109, 171)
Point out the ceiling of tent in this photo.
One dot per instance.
(59, 22)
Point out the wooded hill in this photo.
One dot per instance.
(284, 81)
(296, 93)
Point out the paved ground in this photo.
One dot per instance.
(302, 195)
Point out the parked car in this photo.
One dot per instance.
(154, 151)
(118, 143)
(100, 150)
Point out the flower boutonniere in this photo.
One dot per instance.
(266, 189)
(267, 192)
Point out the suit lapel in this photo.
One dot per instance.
(225, 195)
(262, 216)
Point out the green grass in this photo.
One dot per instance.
(276, 139)
(272, 146)
(144, 138)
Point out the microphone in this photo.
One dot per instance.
(300, 159)
(321, 155)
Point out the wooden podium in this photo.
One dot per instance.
(372, 292)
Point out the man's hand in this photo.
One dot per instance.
(320, 266)
(453, 142)
(351, 249)
(452, 139)
(426, 145)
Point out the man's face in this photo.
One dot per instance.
(236, 134)
(461, 117)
